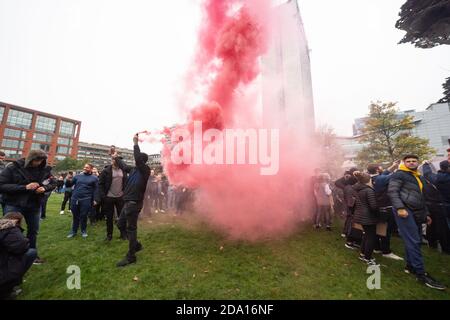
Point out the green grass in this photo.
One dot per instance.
(183, 261)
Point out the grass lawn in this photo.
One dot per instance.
(186, 262)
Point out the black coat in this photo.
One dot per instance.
(105, 181)
(17, 175)
(13, 246)
(405, 193)
(366, 208)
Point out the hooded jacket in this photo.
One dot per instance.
(366, 208)
(13, 246)
(406, 193)
(17, 175)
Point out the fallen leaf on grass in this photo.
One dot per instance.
(221, 248)
(350, 296)
(206, 271)
(193, 276)
(135, 278)
(296, 274)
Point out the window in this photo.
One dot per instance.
(2, 112)
(14, 144)
(40, 146)
(60, 158)
(45, 124)
(15, 133)
(62, 150)
(12, 154)
(67, 128)
(42, 137)
(445, 140)
(65, 141)
(19, 119)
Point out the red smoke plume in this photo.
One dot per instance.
(237, 199)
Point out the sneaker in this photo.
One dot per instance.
(125, 262)
(409, 270)
(84, 235)
(427, 280)
(328, 228)
(393, 256)
(350, 246)
(377, 251)
(343, 235)
(156, 211)
(16, 291)
(38, 261)
(71, 235)
(372, 262)
(62, 212)
(363, 258)
(163, 211)
(139, 247)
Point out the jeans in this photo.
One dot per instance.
(171, 199)
(108, 206)
(30, 256)
(80, 212)
(128, 222)
(409, 231)
(32, 219)
(323, 214)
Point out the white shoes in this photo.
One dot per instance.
(393, 256)
(62, 212)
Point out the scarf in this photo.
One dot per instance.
(415, 173)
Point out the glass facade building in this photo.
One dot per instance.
(22, 130)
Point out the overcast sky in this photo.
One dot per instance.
(117, 65)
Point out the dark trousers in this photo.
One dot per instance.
(368, 240)
(27, 260)
(438, 231)
(44, 206)
(412, 238)
(160, 202)
(32, 218)
(128, 223)
(67, 197)
(108, 205)
(383, 243)
(80, 212)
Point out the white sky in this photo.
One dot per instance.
(118, 65)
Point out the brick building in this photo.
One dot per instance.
(22, 130)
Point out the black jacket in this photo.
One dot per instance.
(405, 193)
(17, 175)
(366, 208)
(105, 181)
(137, 177)
(13, 246)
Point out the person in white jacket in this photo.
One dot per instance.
(324, 200)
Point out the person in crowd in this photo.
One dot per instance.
(96, 213)
(324, 201)
(59, 184)
(380, 182)
(182, 199)
(353, 236)
(133, 197)
(153, 191)
(171, 197)
(23, 185)
(161, 192)
(111, 185)
(366, 215)
(68, 188)
(312, 181)
(16, 256)
(409, 207)
(44, 202)
(439, 204)
(85, 188)
(2, 167)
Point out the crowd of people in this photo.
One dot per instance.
(377, 203)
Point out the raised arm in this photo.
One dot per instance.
(428, 173)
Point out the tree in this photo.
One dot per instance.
(69, 164)
(446, 98)
(427, 25)
(426, 22)
(331, 151)
(387, 136)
